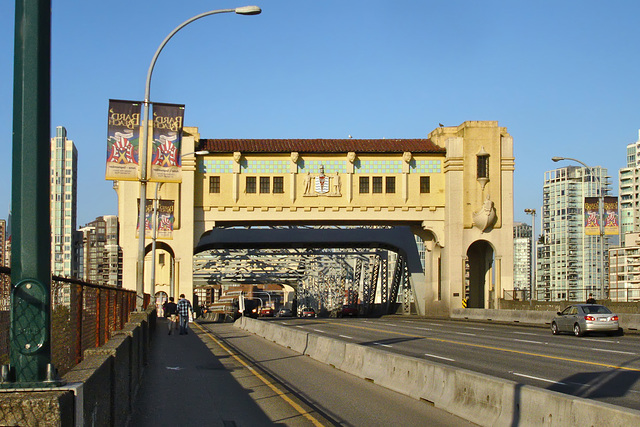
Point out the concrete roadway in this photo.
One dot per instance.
(219, 375)
(597, 367)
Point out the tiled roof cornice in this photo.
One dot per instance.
(320, 145)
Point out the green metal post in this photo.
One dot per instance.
(30, 334)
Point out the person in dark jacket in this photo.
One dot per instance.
(171, 313)
(591, 299)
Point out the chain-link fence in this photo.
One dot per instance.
(83, 316)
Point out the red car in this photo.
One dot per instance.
(348, 311)
(266, 312)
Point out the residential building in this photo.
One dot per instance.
(100, 253)
(624, 266)
(3, 239)
(521, 257)
(629, 187)
(571, 264)
(64, 172)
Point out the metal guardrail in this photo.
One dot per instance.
(83, 316)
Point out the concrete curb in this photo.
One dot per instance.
(630, 323)
(476, 397)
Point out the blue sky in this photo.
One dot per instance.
(561, 76)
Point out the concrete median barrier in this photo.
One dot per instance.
(479, 398)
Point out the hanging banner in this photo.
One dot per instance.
(167, 141)
(148, 215)
(591, 216)
(611, 216)
(165, 219)
(123, 136)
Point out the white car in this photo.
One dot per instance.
(580, 319)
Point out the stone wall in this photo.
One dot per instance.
(98, 391)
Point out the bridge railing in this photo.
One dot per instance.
(83, 315)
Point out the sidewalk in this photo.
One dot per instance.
(186, 383)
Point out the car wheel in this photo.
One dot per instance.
(554, 328)
(577, 331)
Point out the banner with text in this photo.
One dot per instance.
(591, 216)
(123, 136)
(611, 216)
(165, 218)
(167, 141)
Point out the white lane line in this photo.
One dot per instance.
(465, 333)
(475, 329)
(598, 340)
(345, 336)
(439, 357)
(612, 351)
(299, 326)
(530, 342)
(424, 329)
(390, 324)
(538, 378)
(434, 324)
(383, 345)
(525, 333)
(319, 330)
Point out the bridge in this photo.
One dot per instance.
(453, 190)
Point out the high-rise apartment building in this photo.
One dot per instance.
(629, 182)
(521, 257)
(571, 264)
(3, 238)
(64, 172)
(100, 253)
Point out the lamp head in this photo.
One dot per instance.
(248, 10)
(557, 159)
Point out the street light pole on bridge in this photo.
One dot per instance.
(245, 10)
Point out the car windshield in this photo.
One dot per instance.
(596, 309)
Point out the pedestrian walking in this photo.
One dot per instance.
(171, 314)
(184, 309)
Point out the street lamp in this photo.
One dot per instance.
(600, 212)
(154, 230)
(244, 10)
(532, 282)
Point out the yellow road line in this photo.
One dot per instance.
(268, 383)
(487, 347)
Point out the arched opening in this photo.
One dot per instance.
(480, 257)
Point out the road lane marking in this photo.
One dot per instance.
(538, 378)
(488, 347)
(439, 357)
(345, 336)
(465, 333)
(530, 342)
(268, 383)
(319, 330)
(599, 340)
(525, 333)
(613, 351)
(475, 329)
(434, 324)
(383, 345)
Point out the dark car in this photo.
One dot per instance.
(348, 311)
(583, 318)
(284, 312)
(308, 312)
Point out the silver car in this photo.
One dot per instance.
(583, 318)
